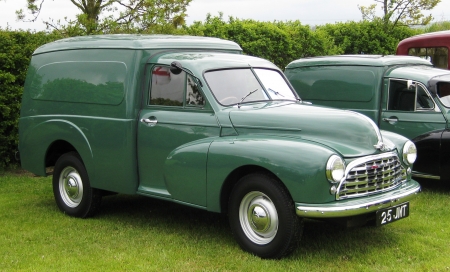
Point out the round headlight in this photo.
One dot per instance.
(335, 169)
(409, 152)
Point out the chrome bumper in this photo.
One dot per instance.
(357, 206)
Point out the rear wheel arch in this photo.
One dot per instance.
(42, 144)
(56, 150)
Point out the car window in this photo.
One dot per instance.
(193, 95)
(424, 101)
(274, 84)
(443, 92)
(168, 89)
(408, 97)
(232, 86)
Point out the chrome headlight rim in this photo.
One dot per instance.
(409, 153)
(335, 169)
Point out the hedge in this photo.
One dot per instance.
(279, 42)
(16, 49)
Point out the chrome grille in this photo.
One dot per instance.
(372, 175)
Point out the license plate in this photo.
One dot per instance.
(392, 214)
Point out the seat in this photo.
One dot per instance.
(405, 101)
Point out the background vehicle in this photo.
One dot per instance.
(432, 46)
(402, 94)
(191, 120)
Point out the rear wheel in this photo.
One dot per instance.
(71, 187)
(262, 217)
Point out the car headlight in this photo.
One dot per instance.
(409, 152)
(335, 169)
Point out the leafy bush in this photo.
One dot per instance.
(367, 37)
(279, 42)
(16, 50)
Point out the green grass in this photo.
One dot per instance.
(134, 233)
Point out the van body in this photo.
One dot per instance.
(194, 121)
(401, 94)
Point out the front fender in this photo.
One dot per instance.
(299, 164)
(397, 139)
(35, 141)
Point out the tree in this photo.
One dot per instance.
(111, 16)
(400, 12)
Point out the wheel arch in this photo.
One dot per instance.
(56, 150)
(234, 178)
(298, 165)
(43, 143)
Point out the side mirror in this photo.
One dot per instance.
(176, 68)
(411, 85)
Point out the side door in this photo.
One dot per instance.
(410, 111)
(176, 126)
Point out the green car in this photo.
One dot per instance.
(194, 121)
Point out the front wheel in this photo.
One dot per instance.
(71, 187)
(262, 217)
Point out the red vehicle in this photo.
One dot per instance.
(432, 46)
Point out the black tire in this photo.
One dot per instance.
(72, 189)
(262, 217)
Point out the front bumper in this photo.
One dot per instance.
(358, 206)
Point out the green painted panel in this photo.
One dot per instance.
(299, 164)
(96, 82)
(335, 83)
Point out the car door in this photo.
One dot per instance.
(175, 116)
(410, 111)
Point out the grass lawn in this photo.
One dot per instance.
(134, 233)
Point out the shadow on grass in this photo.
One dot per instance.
(166, 217)
(435, 186)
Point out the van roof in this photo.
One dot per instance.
(130, 41)
(357, 60)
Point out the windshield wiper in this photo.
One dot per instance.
(239, 104)
(275, 92)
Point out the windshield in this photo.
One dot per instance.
(233, 86)
(443, 92)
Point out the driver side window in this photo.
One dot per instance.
(168, 89)
(404, 98)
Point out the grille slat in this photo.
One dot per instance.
(372, 176)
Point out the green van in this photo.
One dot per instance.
(401, 94)
(194, 121)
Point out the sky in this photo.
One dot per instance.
(309, 12)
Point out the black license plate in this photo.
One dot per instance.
(392, 214)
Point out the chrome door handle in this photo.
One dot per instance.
(390, 120)
(150, 122)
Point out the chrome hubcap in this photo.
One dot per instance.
(258, 217)
(70, 187)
